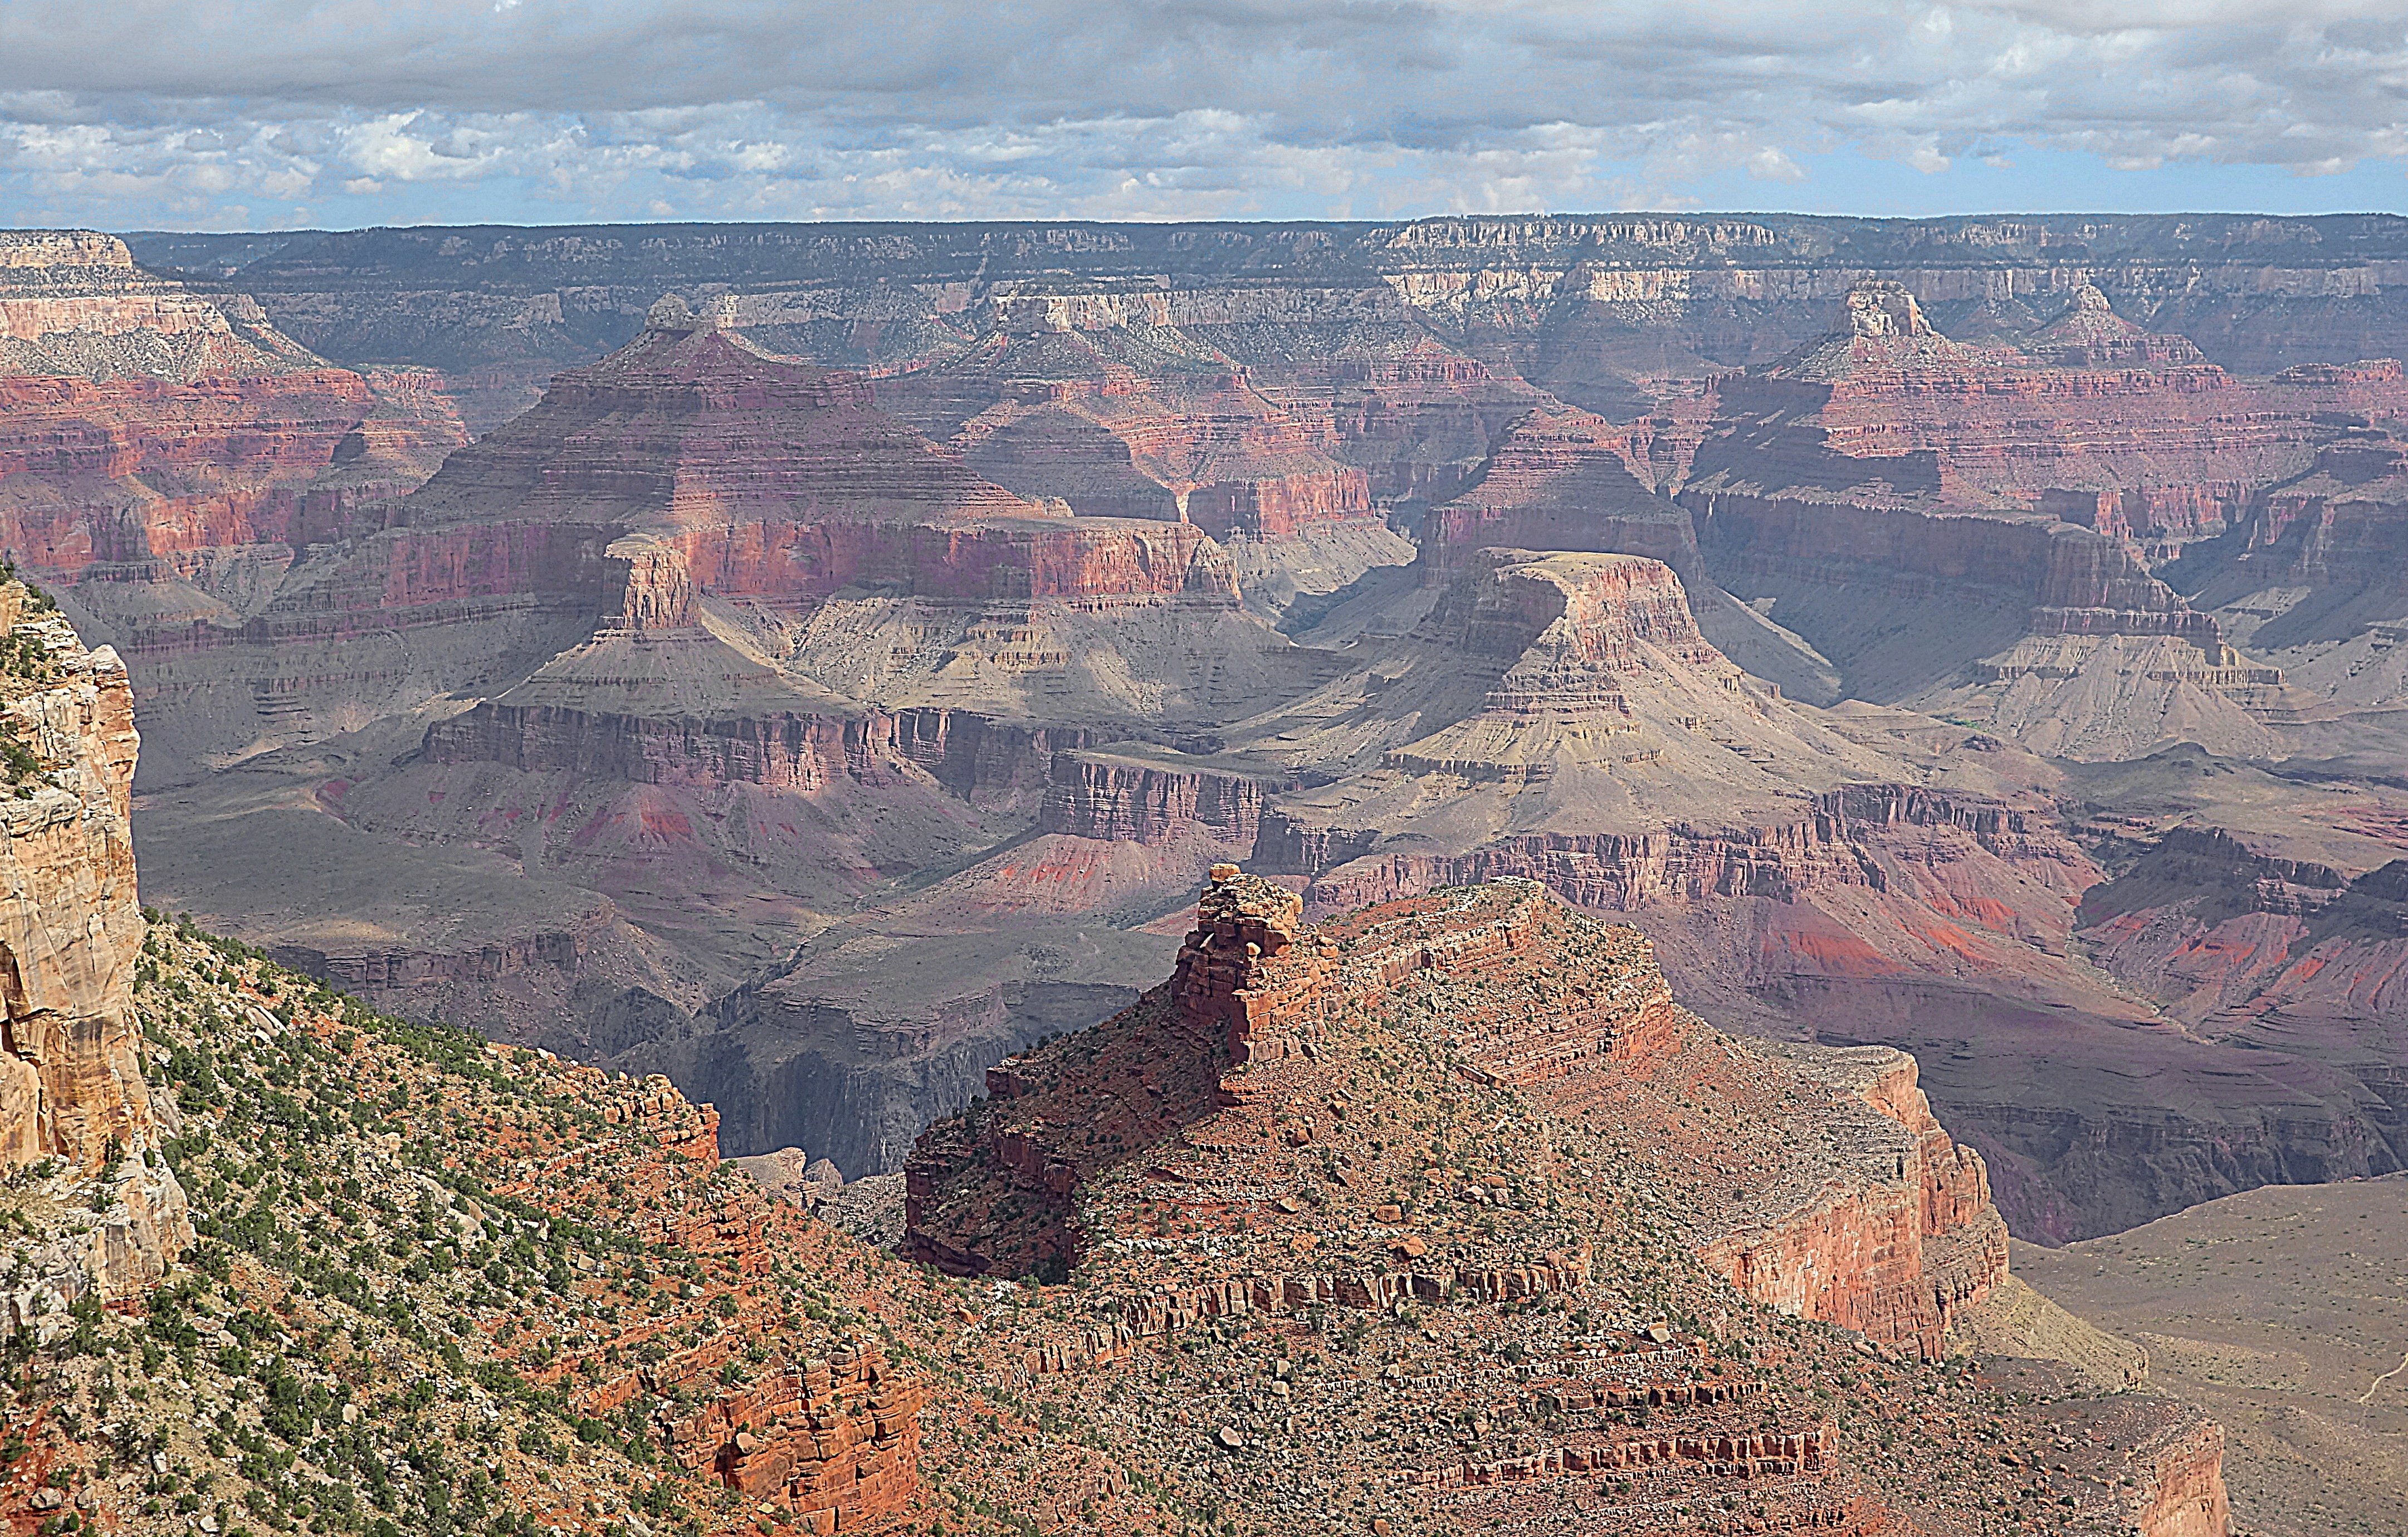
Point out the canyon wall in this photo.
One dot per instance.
(71, 938)
(968, 755)
(1098, 799)
(1581, 305)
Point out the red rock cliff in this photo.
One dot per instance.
(1893, 1260)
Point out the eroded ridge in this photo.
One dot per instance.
(1815, 1180)
(1475, 1130)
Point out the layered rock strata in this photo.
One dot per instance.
(168, 458)
(1896, 1262)
(1591, 308)
(1561, 481)
(73, 304)
(1902, 1233)
(630, 1332)
(1446, 1117)
(71, 935)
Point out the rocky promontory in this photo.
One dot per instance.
(74, 1108)
(1476, 1128)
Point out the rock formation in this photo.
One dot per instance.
(545, 1267)
(847, 618)
(1247, 1030)
(1956, 481)
(2091, 335)
(1561, 482)
(1113, 410)
(1458, 1110)
(71, 1080)
(73, 304)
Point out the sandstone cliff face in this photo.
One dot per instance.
(1836, 843)
(71, 932)
(1897, 1260)
(2184, 1495)
(2069, 578)
(73, 926)
(146, 479)
(967, 756)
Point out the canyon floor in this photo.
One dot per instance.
(2282, 1312)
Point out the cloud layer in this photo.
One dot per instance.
(210, 113)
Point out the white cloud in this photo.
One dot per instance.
(169, 111)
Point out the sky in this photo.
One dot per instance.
(211, 114)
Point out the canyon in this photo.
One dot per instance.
(1446, 1210)
(828, 679)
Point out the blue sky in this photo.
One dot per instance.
(272, 114)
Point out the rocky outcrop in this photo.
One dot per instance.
(1583, 631)
(656, 591)
(835, 1440)
(1121, 801)
(1894, 1260)
(1881, 331)
(72, 930)
(2182, 1493)
(71, 937)
(1888, 1236)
